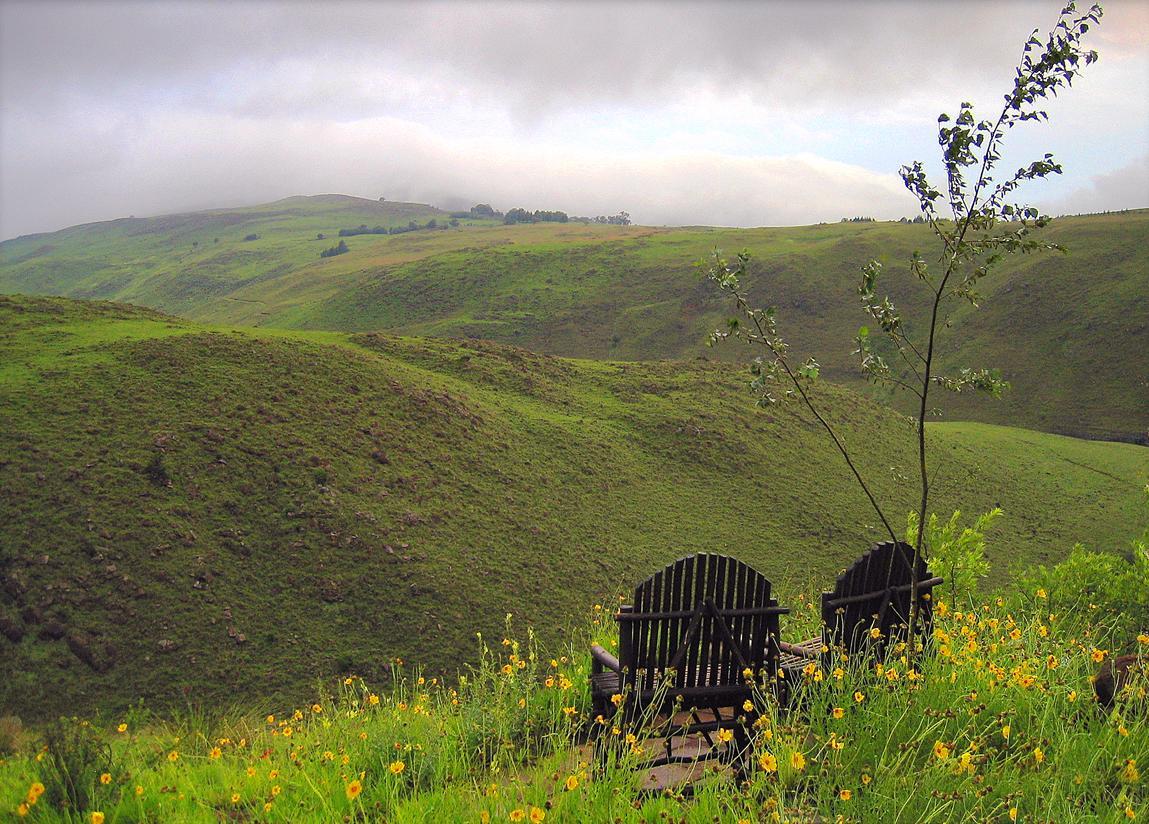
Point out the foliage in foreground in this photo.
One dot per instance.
(996, 722)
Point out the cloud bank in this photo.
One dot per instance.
(734, 114)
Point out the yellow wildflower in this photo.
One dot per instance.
(106, 778)
(571, 783)
(537, 815)
(941, 751)
(845, 795)
(1129, 772)
(396, 767)
(97, 817)
(353, 789)
(837, 712)
(767, 762)
(797, 760)
(726, 736)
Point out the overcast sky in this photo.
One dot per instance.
(746, 114)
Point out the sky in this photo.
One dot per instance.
(736, 114)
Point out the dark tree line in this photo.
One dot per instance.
(621, 219)
(339, 249)
(412, 226)
(537, 216)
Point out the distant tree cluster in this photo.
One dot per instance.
(537, 216)
(339, 249)
(484, 210)
(858, 220)
(412, 226)
(916, 219)
(621, 219)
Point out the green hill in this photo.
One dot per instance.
(232, 513)
(1069, 332)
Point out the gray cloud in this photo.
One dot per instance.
(541, 55)
(1123, 188)
(137, 107)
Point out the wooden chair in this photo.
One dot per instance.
(685, 645)
(874, 593)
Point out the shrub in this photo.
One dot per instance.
(338, 249)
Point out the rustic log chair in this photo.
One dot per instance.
(874, 593)
(685, 645)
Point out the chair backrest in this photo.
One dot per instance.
(876, 592)
(706, 617)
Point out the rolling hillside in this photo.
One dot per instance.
(1069, 332)
(228, 514)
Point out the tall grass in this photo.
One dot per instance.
(994, 722)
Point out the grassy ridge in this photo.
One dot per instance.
(1068, 331)
(237, 512)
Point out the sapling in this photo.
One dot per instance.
(984, 223)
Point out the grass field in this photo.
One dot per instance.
(996, 722)
(224, 513)
(1069, 332)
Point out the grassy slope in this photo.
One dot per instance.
(1069, 332)
(339, 501)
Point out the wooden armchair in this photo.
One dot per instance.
(874, 593)
(686, 644)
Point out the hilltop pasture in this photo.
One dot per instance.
(1068, 331)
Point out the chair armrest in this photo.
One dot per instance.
(602, 658)
(797, 649)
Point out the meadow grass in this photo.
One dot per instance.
(227, 513)
(994, 721)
